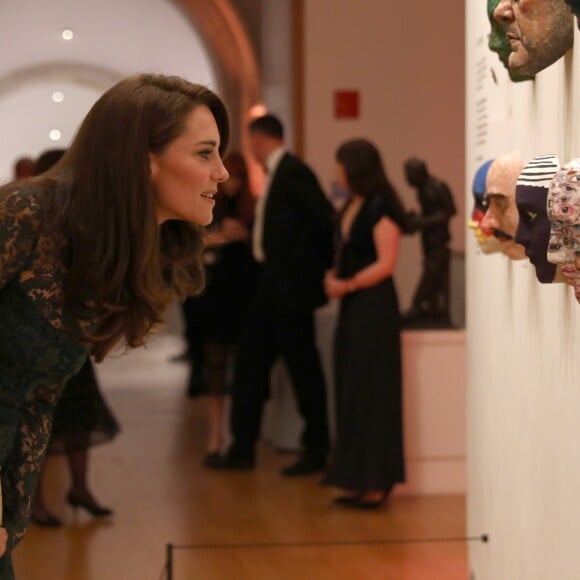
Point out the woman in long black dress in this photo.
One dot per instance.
(368, 456)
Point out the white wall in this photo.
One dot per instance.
(523, 372)
(112, 39)
(407, 61)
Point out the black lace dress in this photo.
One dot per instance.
(37, 356)
(82, 417)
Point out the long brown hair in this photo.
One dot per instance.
(366, 174)
(122, 268)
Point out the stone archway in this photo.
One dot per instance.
(233, 58)
(81, 73)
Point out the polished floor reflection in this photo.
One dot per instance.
(151, 475)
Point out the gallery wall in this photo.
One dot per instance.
(523, 340)
(111, 40)
(406, 59)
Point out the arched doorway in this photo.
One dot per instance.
(203, 41)
(233, 57)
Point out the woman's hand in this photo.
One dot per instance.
(336, 287)
(3, 541)
(233, 230)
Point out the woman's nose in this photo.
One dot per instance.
(220, 172)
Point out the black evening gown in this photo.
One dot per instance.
(82, 417)
(218, 315)
(368, 453)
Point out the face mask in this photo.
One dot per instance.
(533, 231)
(486, 241)
(564, 216)
(501, 216)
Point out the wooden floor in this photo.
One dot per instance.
(152, 476)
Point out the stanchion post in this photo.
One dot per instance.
(169, 562)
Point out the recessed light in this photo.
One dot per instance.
(67, 34)
(55, 135)
(58, 96)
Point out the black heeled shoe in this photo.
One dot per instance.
(88, 504)
(365, 504)
(47, 521)
(347, 499)
(371, 504)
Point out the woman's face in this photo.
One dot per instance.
(186, 173)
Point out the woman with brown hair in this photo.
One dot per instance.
(92, 253)
(368, 455)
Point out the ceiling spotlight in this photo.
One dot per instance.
(67, 34)
(58, 96)
(55, 135)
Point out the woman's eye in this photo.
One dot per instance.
(205, 153)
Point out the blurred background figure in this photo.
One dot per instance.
(23, 167)
(368, 456)
(217, 316)
(292, 241)
(82, 419)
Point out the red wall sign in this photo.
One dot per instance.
(346, 104)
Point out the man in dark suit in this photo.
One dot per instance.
(292, 242)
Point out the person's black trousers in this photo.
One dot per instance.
(272, 330)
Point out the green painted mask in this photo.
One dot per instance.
(499, 44)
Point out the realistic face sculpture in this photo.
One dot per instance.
(501, 217)
(564, 215)
(498, 43)
(539, 32)
(486, 241)
(575, 7)
(534, 228)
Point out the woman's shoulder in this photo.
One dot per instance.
(20, 202)
(380, 205)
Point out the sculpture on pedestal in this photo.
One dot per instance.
(430, 307)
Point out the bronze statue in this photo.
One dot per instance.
(430, 306)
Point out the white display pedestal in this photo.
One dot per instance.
(434, 406)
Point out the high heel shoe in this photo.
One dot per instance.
(370, 504)
(347, 499)
(89, 504)
(365, 503)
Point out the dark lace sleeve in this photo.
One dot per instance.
(18, 227)
(25, 461)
